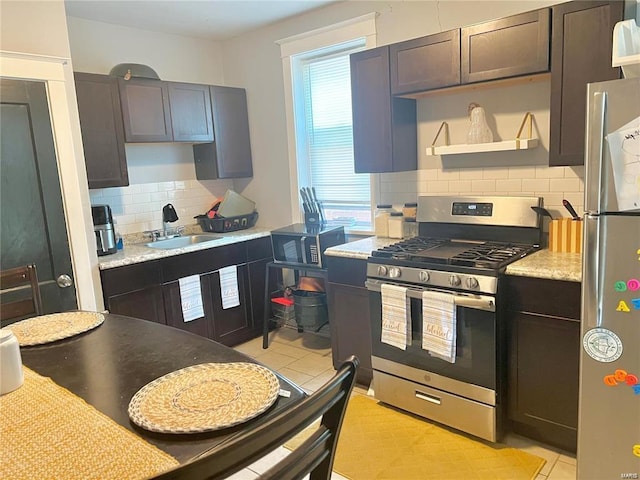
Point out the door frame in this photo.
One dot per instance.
(57, 74)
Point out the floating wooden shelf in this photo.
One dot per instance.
(517, 144)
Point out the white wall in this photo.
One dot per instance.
(37, 34)
(158, 173)
(253, 61)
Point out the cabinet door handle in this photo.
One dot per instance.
(428, 398)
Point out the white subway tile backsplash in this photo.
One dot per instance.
(482, 186)
(536, 185)
(565, 184)
(550, 172)
(438, 186)
(460, 187)
(509, 185)
(137, 208)
(522, 172)
(495, 173)
(470, 174)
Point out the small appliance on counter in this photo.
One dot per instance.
(300, 244)
(103, 228)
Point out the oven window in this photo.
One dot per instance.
(475, 345)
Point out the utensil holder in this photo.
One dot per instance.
(312, 219)
(565, 235)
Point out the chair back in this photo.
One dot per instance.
(314, 456)
(15, 279)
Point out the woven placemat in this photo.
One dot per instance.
(204, 397)
(56, 326)
(48, 432)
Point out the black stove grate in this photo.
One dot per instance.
(438, 251)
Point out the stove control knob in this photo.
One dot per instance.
(454, 280)
(472, 282)
(424, 276)
(382, 270)
(394, 272)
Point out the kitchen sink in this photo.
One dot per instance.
(181, 242)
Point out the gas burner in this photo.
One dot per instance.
(439, 251)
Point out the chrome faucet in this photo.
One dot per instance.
(169, 215)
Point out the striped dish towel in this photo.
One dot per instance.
(439, 325)
(395, 316)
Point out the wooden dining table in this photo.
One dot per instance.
(106, 366)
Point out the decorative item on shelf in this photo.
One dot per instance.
(518, 144)
(133, 70)
(479, 131)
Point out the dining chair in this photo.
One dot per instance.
(16, 279)
(314, 456)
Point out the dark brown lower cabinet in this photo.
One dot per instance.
(151, 290)
(543, 325)
(135, 291)
(173, 309)
(349, 316)
(233, 325)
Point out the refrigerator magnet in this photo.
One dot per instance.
(602, 345)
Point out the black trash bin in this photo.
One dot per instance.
(311, 309)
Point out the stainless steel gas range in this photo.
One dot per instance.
(438, 346)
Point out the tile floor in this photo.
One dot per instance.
(305, 359)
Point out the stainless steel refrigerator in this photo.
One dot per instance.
(609, 408)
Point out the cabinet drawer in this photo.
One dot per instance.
(511, 46)
(425, 63)
(204, 261)
(259, 249)
(347, 271)
(129, 278)
(557, 298)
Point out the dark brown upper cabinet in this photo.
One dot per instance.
(191, 119)
(384, 127)
(102, 130)
(508, 47)
(581, 43)
(229, 156)
(145, 110)
(425, 63)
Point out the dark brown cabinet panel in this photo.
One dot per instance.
(102, 130)
(134, 290)
(229, 156)
(233, 325)
(508, 47)
(349, 316)
(543, 359)
(145, 110)
(173, 309)
(425, 63)
(191, 119)
(384, 127)
(581, 44)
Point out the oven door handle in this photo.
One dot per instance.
(478, 302)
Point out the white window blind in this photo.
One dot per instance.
(326, 93)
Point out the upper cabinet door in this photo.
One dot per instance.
(145, 110)
(190, 112)
(511, 46)
(580, 53)
(384, 127)
(425, 63)
(102, 130)
(229, 156)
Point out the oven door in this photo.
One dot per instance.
(475, 361)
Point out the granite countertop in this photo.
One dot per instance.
(549, 265)
(138, 252)
(542, 264)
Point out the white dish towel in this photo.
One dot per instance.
(396, 326)
(439, 325)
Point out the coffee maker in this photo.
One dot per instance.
(103, 228)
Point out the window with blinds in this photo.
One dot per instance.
(324, 136)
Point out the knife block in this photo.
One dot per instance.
(311, 219)
(565, 235)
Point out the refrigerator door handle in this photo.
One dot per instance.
(591, 276)
(595, 173)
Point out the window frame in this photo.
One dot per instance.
(329, 36)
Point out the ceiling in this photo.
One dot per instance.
(211, 19)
